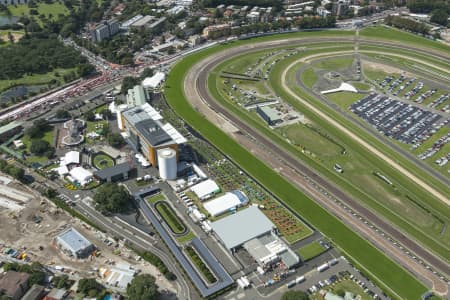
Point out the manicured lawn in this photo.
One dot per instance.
(344, 99)
(392, 34)
(103, 161)
(200, 265)
(309, 77)
(53, 9)
(361, 86)
(156, 198)
(36, 79)
(381, 268)
(185, 238)
(334, 63)
(311, 250)
(341, 287)
(172, 220)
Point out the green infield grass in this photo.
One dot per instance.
(309, 77)
(102, 161)
(345, 99)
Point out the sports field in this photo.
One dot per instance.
(382, 269)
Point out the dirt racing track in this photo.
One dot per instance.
(197, 93)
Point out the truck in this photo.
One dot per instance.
(322, 268)
(333, 262)
(290, 284)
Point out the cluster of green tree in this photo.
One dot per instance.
(40, 126)
(407, 24)
(427, 6)
(276, 4)
(16, 172)
(134, 7)
(157, 262)
(35, 270)
(89, 287)
(62, 114)
(367, 11)
(34, 55)
(200, 264)
(112, 198)
(115, 140)
(440, 17)
(62, 282)
(42, 148)
(142, 287)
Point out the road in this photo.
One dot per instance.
(195, 87)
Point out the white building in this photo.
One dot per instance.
(225, 203)
(154, 82)
(206, 189)
(80, 175)
(70, 158)
(74, 243)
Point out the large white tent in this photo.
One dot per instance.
(71, 157)
(226, 202)
(206, 189)
(81, 175)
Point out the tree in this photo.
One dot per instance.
(41, 148)
(111, 198)
(89, 116)
(128, 83)
(115, 140)
(148, 72)
(89, 286)
(440, 17)
(85, 70)
(37, 130)
(106, 113)
(295, 295)
(62, 114)
(142, 287)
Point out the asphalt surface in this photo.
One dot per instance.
(202, 90)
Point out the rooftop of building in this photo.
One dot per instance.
(113, 171)
(74, 240)
(242, 226)
(11, 281)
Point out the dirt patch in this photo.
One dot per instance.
(383, 67)
(16, 37)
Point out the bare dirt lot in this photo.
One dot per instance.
(33, 229)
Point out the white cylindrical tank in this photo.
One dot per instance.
(167, 163)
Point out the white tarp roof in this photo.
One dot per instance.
(222, 204)
(71, 157)
(81, 175)
(174, 134)
(154, 115)
(154, 81)
(205, 189)
(62, 170)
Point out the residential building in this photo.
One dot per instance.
(136, 96)
(194, 40)
(323, 12)
(56, 294)
(14, 284)
(105, 30)
(36, 292)
(215, 31)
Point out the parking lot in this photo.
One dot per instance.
(401, 121)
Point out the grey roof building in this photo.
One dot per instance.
(114, 173)
(242, 227)
(73, 243)
(14, 284)
(270, 115)
(36, 292)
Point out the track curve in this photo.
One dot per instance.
(199, 84)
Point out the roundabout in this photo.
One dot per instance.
(243, 135)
